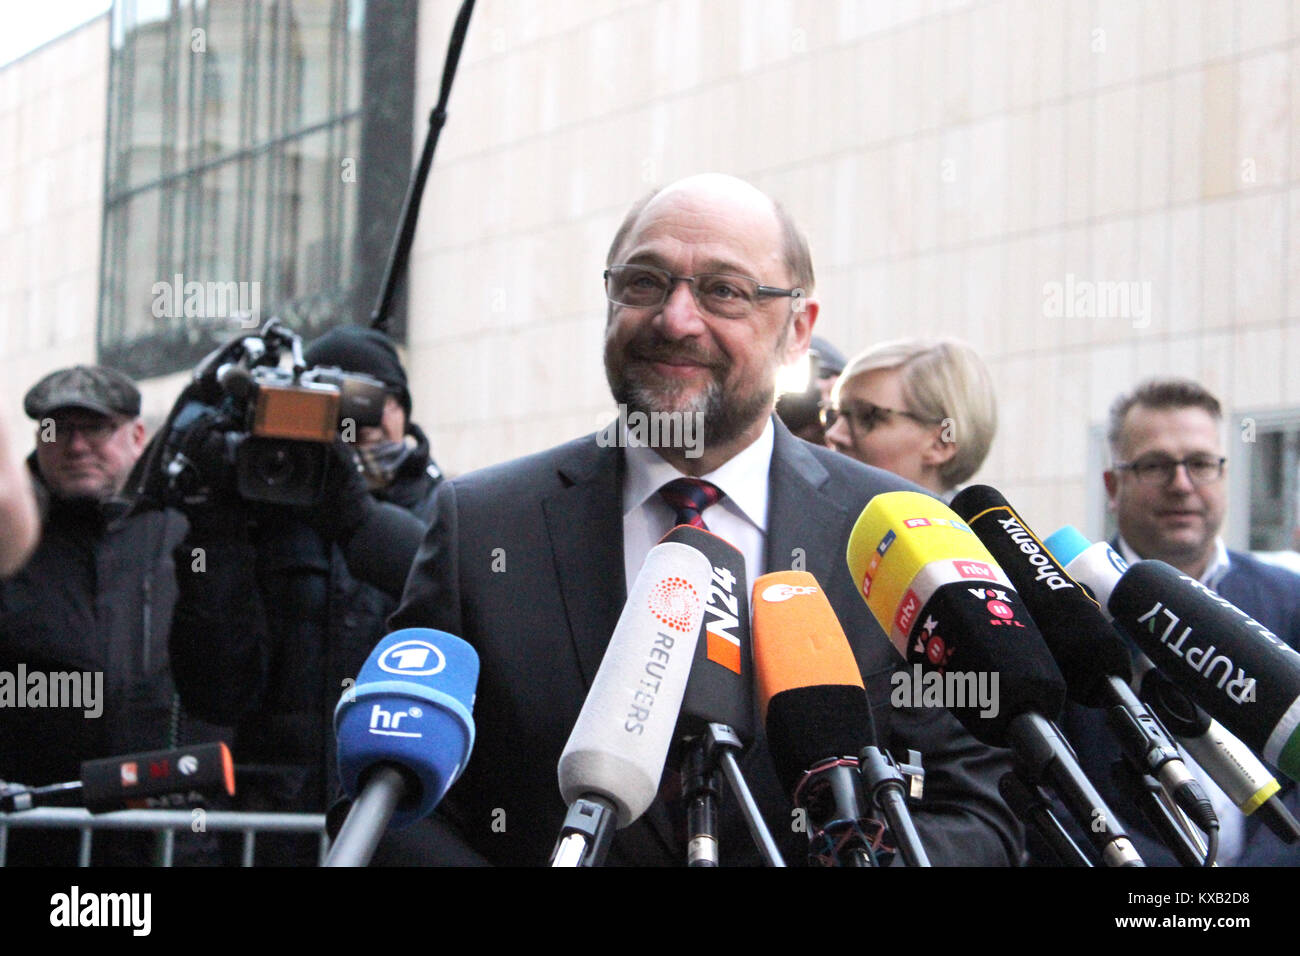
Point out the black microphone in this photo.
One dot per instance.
(952, 612)
(1090, 653)
(1228, 662)
(717, 716)
(134, 781)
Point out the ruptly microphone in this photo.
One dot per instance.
(154, 779)
(1228, 662)
(1230, 763)
(954, 615)
(815, 711)
(610, 768)
(405, 733)
(1091, 655)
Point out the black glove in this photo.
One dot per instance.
(345, 500)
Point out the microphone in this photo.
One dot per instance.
(953, 614)
(1090, 653)
(405, 733)
(1230, 763)
(1228, 662)
(142, 780)
(610, 768)
(717, 716)
(815, 710)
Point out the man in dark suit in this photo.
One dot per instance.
(709, 285)
(1167, 489)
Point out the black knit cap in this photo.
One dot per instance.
(95, 388)
(367, 351)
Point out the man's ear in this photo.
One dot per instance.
(1111, 478)
(137, 437)
(802, 319)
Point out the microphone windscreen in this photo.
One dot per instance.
(619, 744)
(951, 610)
(1087, 649)
(411, 706)
(810, 689)
(1228, 662)
(721, 686)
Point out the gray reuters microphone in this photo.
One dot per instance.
(610, 768)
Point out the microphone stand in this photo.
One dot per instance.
(886, 787)
(1027, 801)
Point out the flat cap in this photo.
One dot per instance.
(96, 388)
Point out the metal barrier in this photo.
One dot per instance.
(164, 822)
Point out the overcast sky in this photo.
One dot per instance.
(29, 24)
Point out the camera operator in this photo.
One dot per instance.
(275, 614)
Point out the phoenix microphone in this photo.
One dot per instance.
(610, 768)
(405, 733)
(1229, 762)
(134, 781)
(815, 711)
(953, 614)
(1090, 653)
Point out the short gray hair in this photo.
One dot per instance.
(1159, 393)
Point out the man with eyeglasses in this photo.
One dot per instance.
(709, 288)
(96, 597)
(1168, 490)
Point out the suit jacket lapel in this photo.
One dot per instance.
(801, 520)
(585, 522)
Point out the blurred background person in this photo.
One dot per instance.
(801, 411)
(19, 525)
(924, 410)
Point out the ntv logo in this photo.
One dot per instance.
(179, 299)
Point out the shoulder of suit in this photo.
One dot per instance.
(535, 471)
(1247, 565)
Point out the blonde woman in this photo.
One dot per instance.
(921, 409)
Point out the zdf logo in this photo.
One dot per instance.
(783, 592)
(412, 659)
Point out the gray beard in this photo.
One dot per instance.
(724, 421)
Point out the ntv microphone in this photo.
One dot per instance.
(818, 719)
(1090, 653)
(953, 614)
(716, 721)
(611, 765)
(405, 733)
(1229, 763)
(157, 779)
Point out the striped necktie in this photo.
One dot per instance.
(689, 497)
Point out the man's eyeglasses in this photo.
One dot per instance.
(862, 417)
(726, 296)
(96, 432)
(1201, 469)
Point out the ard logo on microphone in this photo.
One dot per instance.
(413, 659)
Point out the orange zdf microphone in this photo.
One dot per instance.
(953, 614)
(815, 711)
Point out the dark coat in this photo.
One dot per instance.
(267, 631)
(541, 628)
(97, 595)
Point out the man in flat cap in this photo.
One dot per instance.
(94, 604)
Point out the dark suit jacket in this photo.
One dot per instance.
(525, 561)
(1267, 593)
